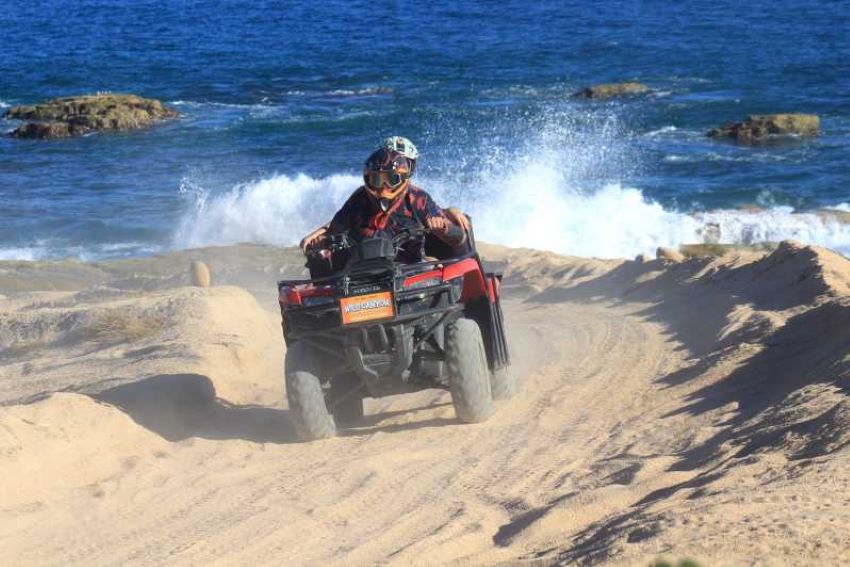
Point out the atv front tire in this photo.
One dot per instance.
(469, 376)
(307, 408)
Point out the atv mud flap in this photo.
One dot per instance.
(499, 343)
(488, 315)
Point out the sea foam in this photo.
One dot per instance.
(531, 210)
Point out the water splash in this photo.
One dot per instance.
(552, 181)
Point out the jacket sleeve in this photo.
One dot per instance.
(344, 217)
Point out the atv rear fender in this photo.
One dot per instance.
(473, 278)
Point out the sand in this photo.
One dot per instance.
(668, 409)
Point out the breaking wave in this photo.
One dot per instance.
(614, 221)
(561, 189)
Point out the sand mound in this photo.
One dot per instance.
(117, 347)
(67, 442)
(91, 340)
(766, 389)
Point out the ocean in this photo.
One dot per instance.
(282, 102)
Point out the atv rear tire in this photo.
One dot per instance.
(346, 400)
(469, 376)
(307, 408)
(503, 383)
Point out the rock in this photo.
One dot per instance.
(759, 127)
(669, 254)
(643, 258)
(790, 247)
(199, 274)
(611, 90)
(47, 130)
(75, 116)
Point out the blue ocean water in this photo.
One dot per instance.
(282, 101)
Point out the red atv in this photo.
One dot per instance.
(366, 324)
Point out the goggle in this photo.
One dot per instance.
(379, 179)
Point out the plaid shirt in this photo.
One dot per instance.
(361, 217)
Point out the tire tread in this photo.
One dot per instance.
(469, 375)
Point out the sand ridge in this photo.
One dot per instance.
(696, 408)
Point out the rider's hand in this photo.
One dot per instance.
(313, 238)
(457, 217)
(438, 225)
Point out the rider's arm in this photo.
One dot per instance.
(458, 217)
(341, 222)
(344, 219)
(444, 229)
(313, 238)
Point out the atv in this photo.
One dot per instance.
(368, 325)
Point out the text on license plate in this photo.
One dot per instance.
(367, 307)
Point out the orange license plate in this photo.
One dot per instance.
(367, 307)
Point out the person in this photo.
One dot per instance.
(388, 203)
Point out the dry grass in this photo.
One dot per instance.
(118, 325)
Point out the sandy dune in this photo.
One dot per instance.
(696, 409)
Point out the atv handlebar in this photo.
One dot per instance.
(410, 234)
(339, 242)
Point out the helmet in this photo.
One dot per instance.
(386, 175)
(403, 146)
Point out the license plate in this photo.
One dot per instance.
(367, 307)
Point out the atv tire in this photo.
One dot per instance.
(307, 408)
(469, 376)
(503, 383)
(345, 400)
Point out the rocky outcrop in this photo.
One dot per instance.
(75, 116)
(611, 90)
(760, 127)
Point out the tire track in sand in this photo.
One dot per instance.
(414, 486)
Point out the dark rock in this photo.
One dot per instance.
(46, 130)
(75, 116)
(611, 90)
(760, 127)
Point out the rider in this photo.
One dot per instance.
(388, 203)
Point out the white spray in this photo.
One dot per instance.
(559, 190)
